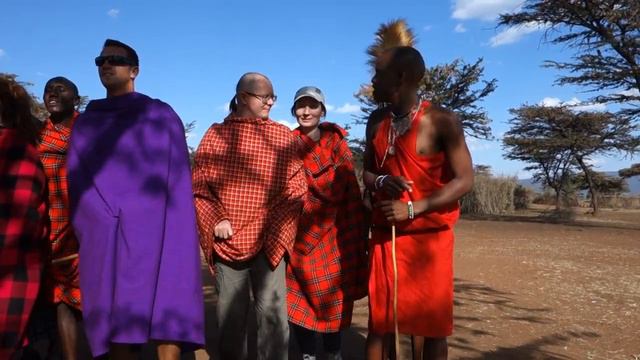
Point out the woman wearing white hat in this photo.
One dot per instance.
(327, 270)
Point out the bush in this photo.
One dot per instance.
(490, 196)
(522, 197)
(619, 201)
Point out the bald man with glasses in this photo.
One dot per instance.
(249, 187)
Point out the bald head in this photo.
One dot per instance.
(251, 81)
(254, 96)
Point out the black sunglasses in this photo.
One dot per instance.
(115, 60)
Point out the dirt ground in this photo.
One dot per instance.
(528, 289)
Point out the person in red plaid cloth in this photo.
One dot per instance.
(249, 189)
(327, 269)
(418, 165)
(24, 223)
(61, 281)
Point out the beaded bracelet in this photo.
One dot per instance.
(410, 208)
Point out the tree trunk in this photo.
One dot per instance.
(558, 204)
(592, 189)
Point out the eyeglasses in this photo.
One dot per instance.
(263, 98)
(115, 60)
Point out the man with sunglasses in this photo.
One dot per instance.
(249, 187)
(133, 213)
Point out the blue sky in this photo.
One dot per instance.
(193, 52)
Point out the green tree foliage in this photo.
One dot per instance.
(557, 141)
(605, 38)
(604, 184)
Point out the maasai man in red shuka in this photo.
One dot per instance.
(327, 269)
(61, 279)
(24, 224)
(418, 165)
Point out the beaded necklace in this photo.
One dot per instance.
(396, 131)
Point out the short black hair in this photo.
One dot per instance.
(64, 80)
(409, 60)
(131, 53)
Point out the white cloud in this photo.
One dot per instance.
(574, 103)
(348, 108)
(483, 9)
(631, 92)
(113, 13)
(223, 108)
(2, 53)
(460, 28)
(290, 125)
(550, 102)
(515, 33)
(330, 107)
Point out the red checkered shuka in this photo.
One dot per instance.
(328, 267)
(24, 228)
(61, 278)
(248, 171)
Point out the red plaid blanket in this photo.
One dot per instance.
(61, 278)
(248, 172)
(328, 267)
(24, 227)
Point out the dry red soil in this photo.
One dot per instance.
(528, 289)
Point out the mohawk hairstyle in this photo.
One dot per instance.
(392, 34)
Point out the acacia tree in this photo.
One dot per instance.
(557, 141)
(605, 35)
(605, 184)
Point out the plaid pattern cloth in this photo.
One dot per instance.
(247, 171)
(61, 283)
(327, 270)
(24, 227)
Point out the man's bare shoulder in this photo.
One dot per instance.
(441, 115)
(375, 118)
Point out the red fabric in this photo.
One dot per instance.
(327, 269)
(424, 245)
(61, 279)
(248, 171)
(24, 228)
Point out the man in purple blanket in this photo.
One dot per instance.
(132, 210)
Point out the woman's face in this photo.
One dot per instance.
(308, 112)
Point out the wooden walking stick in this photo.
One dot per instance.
(395, 291)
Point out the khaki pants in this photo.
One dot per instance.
(233, 283)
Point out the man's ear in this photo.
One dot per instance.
(76, 102)
(135, 70)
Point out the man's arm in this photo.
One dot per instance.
(451, 136)
(392, 185)
(209, 210)
(455, 148)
